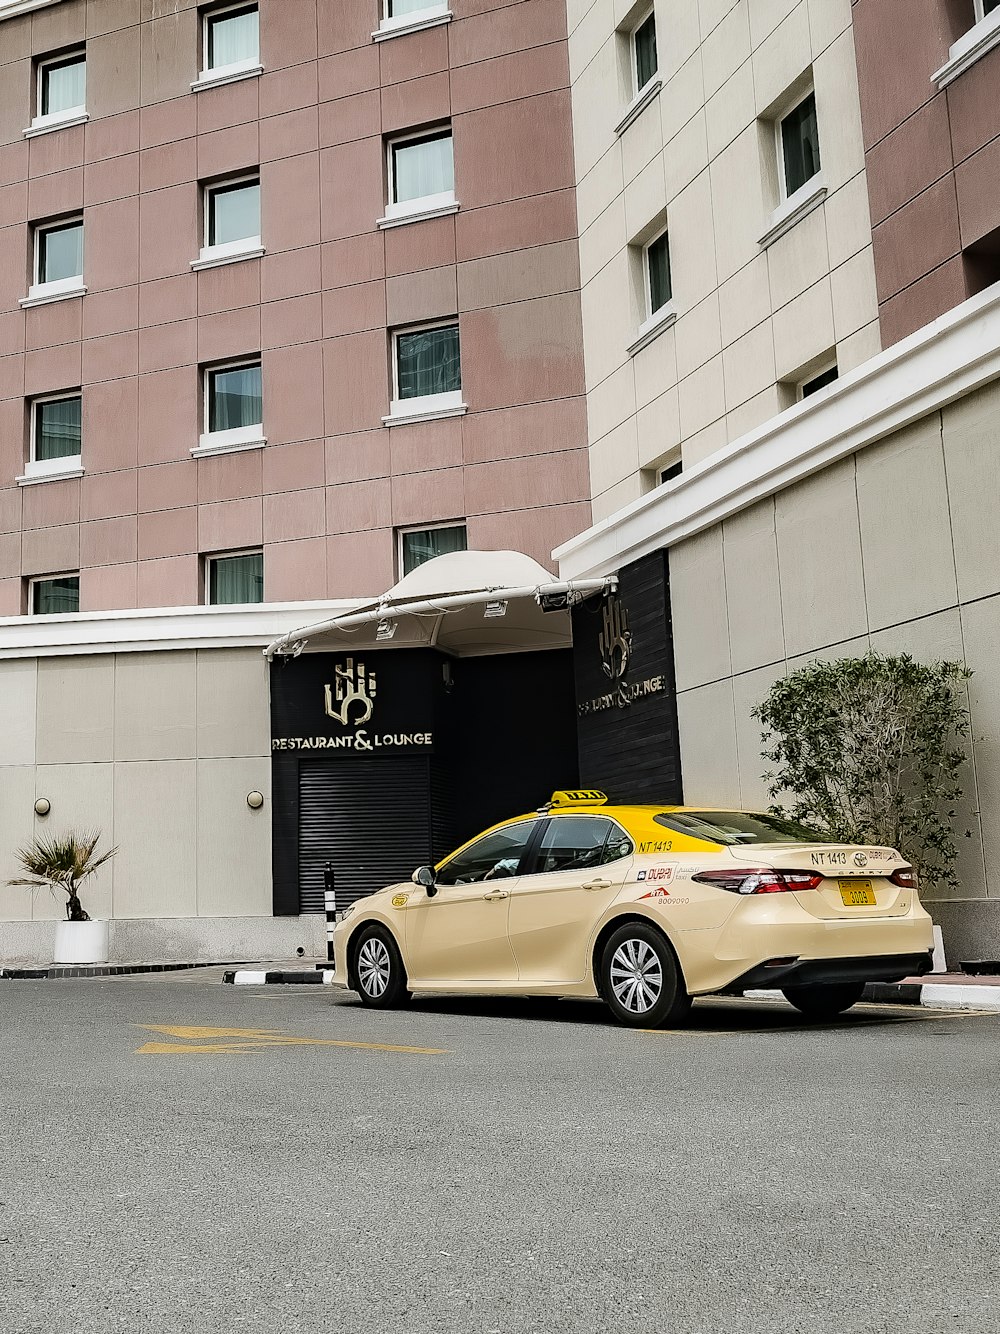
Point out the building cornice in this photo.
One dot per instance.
(10, 9)
(159, 628)
(947, 359)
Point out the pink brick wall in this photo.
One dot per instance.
(332, 484)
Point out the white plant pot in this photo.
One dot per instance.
(81, 942)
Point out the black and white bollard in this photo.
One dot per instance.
(330, 903)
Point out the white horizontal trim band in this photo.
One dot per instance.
(51, 470)
(418, 215)
(428, 415)
(146, 630)
(10, 9)
(947, 359)
(210, 447)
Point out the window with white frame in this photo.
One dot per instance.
(230, 44)
(58, 261)
(399, 16)
(417, 545)
(54, 595)
(426, 372)
(234, 578)
(234, 408)
(644, 58)
(421, 174)
(232, 222)
(984, 7)
(798, 146)
(56, 433)
(656, 271)
(671, 467)
(61, 92)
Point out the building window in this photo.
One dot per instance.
(645, 63)
(234, 409)
(58, 260)
(657, 273)
(230, 44)
(234, 580)
(232, 222)
(984, 7)
(818, 381)
(422, 544)
(426, 373)
(55, 437)
(61, 84)
(421, 174)
(58, 595)
(669, 471)
(798, 137)
(399, 16)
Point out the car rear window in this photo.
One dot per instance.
(732, 827)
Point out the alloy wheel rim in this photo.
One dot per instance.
(374, 966)
(636, 976)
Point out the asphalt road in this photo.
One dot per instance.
(534, 1170)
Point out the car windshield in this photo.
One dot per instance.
(732, 827)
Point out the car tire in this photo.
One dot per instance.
(640, 980)
(827, 1002)
(379, 977)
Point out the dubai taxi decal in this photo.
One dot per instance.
(400, 900)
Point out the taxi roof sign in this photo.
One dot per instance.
(578, 797)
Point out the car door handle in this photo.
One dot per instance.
(598, 884)
(497, 894)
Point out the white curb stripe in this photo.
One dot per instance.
(943, 997)
(247, 977)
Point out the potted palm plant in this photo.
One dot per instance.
(62, 864)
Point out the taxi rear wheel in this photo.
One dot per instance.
(641, 983)
(379, 975)
(827, 1002)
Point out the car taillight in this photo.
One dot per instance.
(759, 880)
(905, 877)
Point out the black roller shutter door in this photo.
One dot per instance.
(371, 818)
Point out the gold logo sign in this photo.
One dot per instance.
(354, 689)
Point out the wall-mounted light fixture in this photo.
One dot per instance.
(497, 608)
(42, 806)
(255, 800)
(384, 630)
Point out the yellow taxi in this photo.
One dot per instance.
(644, 907)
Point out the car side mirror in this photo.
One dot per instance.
(424, 875)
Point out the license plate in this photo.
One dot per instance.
(858, 894)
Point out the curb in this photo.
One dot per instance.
(98, 970)
(932, 995)
(251, 977)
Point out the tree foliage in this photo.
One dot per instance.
(867, 749)
(62, 863)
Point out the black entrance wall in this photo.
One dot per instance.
(627, 720)
(446, 748)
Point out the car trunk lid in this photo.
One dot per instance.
(854, 880)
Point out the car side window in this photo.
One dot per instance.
(574, 843)
(491, 857)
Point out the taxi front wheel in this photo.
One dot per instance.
(379, 976)
(827, 1002)
(641, 982)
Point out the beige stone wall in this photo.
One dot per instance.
(750, 321)
(158, 751)
(891, 548)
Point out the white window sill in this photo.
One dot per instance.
(794, 209)
(212, 256)
(432, 407)
(653, 327)
(417, 210)
(969, 48)
(56, 120)
(229, 442)
(41, 294)
(214, 78)
(639, 103)
(431, 17)
(51, 470)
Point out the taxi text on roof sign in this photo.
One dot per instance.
(588, 797)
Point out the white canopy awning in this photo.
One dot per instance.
(466, 603)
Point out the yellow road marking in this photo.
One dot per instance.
(255, 1039)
